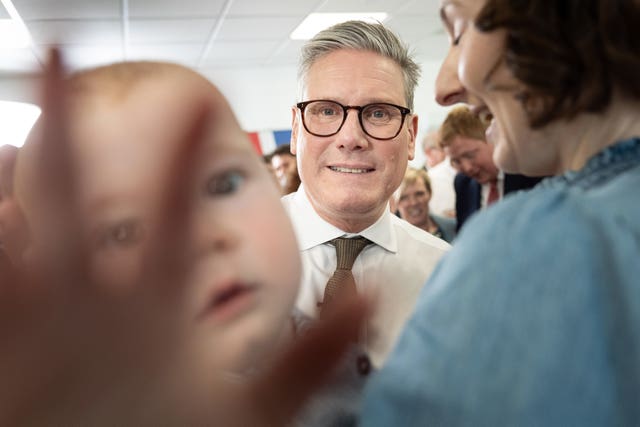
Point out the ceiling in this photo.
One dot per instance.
(202, 34)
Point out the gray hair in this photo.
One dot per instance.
(360, 35)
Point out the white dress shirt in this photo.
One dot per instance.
(486, 188)
(394, 269)
(443, 192)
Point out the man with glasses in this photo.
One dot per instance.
(353, 134)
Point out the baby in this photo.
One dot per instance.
(162, 260)
(129, 124)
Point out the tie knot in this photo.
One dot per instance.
(347, 250)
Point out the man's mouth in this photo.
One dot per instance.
(350, 170)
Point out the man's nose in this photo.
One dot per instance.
(466, 167)
(351, 134)
(449, 90)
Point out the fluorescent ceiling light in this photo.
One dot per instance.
(13, 32)
(316, 22)
(16, 121)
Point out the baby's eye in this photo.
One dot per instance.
(225, 183)
(123, 233)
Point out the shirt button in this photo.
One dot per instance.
(363, 364)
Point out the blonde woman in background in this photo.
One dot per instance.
(412, 199)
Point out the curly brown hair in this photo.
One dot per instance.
(571, 54)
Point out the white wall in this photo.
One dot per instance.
(262, 98)
(19, 88)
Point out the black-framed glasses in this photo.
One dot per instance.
(379, 120)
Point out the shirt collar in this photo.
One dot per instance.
(312, 230)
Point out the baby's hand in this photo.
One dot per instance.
(74, 352)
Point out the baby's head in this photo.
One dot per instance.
(127, 122)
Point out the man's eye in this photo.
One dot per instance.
(323, 109)
(380, 113)
(225, 183)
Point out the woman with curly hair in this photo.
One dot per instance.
(533, 317)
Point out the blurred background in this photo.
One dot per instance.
(249, 48)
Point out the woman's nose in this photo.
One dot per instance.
(449, 89)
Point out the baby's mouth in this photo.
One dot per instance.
(228, 300)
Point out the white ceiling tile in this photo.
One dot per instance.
(170, 30)
(272, 8)
(421, 7)
(257, 28)
(289, 53)
(253, 34)
(239, 52)
(175, 8)
(186, 54)
(82, 32)
(18, 61)
(68, 9)
(388, 6)
(412, 28)
(432, 48)
(3, 13)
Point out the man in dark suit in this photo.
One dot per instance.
(469, 193)
(479, 182)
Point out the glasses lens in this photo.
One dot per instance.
(381, 120)
(323, 118)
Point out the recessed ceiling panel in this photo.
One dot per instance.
(175, 8)
(80, 57)
(170, 30)
(272, 8)
(240, 52)
(389, 6)
(182, 53)
(68, 9)
(271, 28)
(78, 32)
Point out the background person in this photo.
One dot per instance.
(413, 197)
(285, 167)
(433, 153)
(441, 175)
(480, 182)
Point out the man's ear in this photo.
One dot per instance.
(294, 130)
(413, 131)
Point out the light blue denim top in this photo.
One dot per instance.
(533, 318)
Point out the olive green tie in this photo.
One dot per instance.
(342, 281)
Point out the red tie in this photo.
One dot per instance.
(494, 196)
